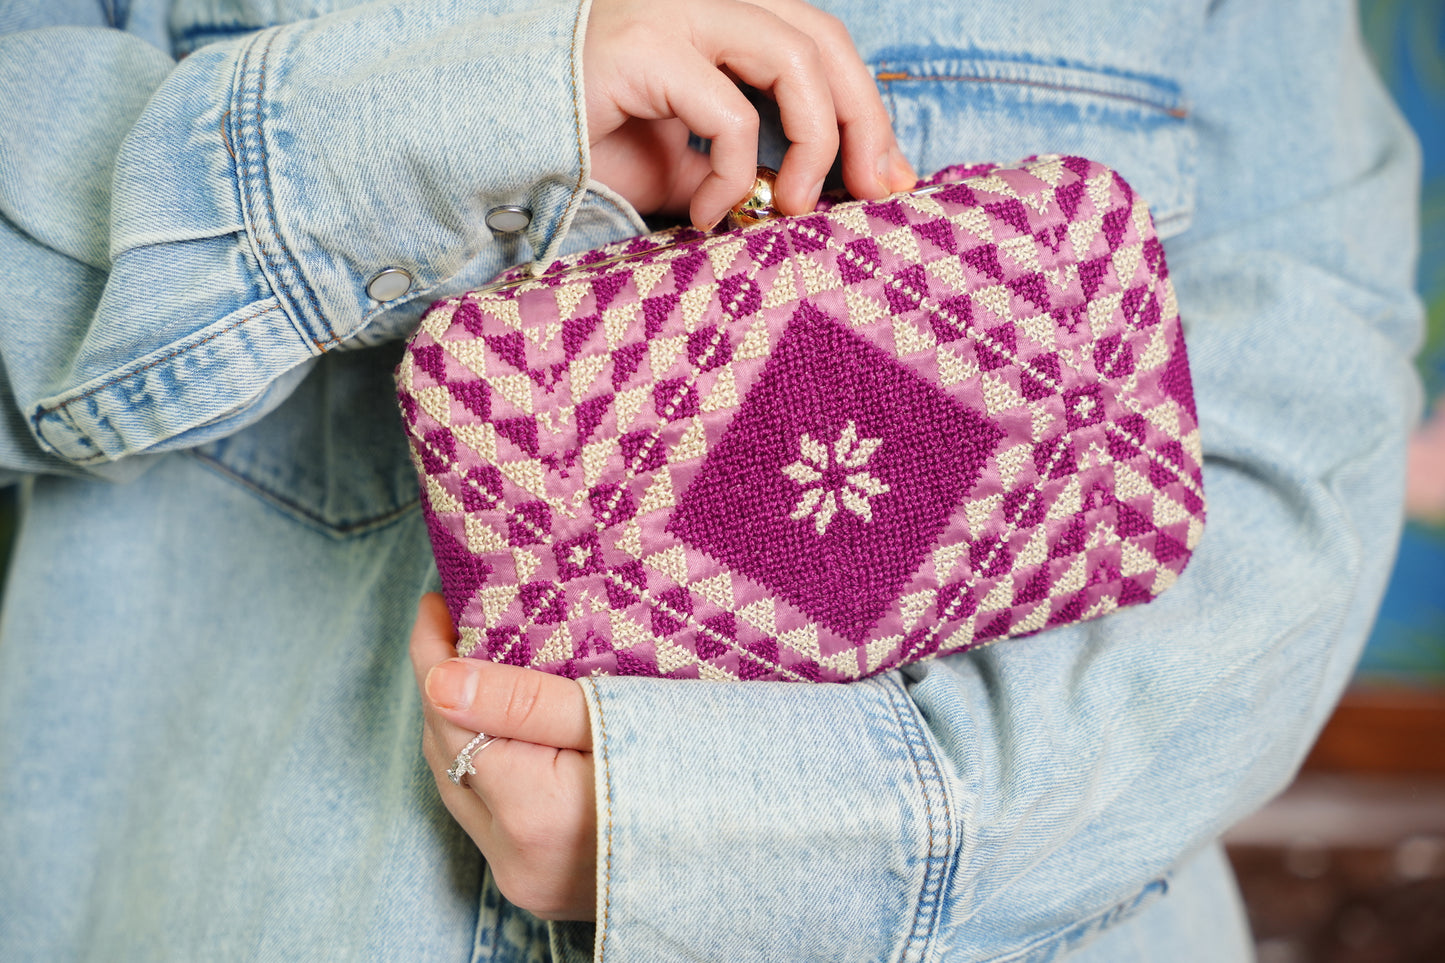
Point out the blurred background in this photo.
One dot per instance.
(1348, 866)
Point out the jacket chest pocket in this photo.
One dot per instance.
(995, 81)
(963, 109)
(333, 456)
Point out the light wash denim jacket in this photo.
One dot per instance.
(208, 724)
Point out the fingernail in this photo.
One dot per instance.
(451, 684)
(814, 194)
(885, 170)
(904, 176)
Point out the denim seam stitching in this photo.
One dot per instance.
(930, 896)
(1100, 921)
(559, 229)
(171, 356)
(223, 126)
(886, 78)
(605, 916)
(62, 409)
(274, 227)
(268, 241)
(582, 172)
(278, 500)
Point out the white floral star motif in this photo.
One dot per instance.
(829, 477)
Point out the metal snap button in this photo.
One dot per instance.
(389, 284)
(508, 219)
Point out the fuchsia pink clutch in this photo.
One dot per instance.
(818, 447)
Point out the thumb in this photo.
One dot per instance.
(510, 702)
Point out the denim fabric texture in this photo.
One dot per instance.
(209, 729)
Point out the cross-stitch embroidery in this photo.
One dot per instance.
(819, 447)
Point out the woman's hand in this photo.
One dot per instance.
(657, 69)
(530, 807)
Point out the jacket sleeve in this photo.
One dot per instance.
(178, 240)
(1010, 802)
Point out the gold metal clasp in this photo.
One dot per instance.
(758, 205)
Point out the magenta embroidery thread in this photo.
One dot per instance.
(819, 447)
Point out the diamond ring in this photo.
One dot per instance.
(462, 767)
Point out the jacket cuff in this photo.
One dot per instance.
(796, 817)
(268, 181)
(347, 169)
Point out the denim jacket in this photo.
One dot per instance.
(208, 725)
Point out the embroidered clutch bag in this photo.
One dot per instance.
(817, 447)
